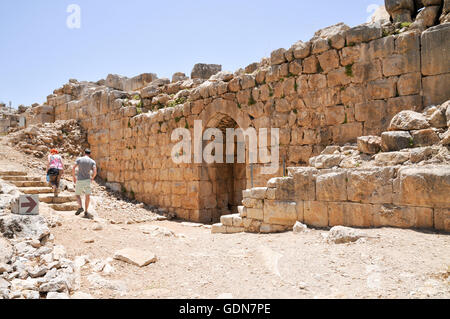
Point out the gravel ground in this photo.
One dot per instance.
(193, 263)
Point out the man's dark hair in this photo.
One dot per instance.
(87, 151)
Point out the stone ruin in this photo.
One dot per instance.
(343, 84)
(10, 118)
(423, 13)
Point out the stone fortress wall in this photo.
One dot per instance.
(342, 84)
(401, 179)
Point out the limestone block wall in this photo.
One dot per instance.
(4, 125)
(394, 196)
(343, 84)
(39, 114)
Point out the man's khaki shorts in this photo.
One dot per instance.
(83, 187)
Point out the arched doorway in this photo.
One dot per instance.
(228, 179)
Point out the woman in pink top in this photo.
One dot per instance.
(55, 169)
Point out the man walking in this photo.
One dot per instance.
(83, 181)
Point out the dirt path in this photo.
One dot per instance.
(196, 264)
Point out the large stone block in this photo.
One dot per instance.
(401, 103)
(315, 214)
(280, 212)
(350, 214)
(423, 186)
(347, 133)
(370, 185)
(255, 193)
(381, 48)
(391, 158)
(402, 217)
(382, 89)
(436, 50)
(396, 141)
(373, 112)
(338, 77)
(435, 89)
(335, 35)
(357, 215)
(254, 213)
(205, 71)
(335, 115)
(364, 33)
(304, 182)
(398, 64)
(408, 120)
(336, 214)
(270, 228)
(283, 186)
(326, 161)
(400, 10)
(332, 187)
(310, 65)
(442, 219)
(252, 203)
(426, 137)
(409, 84)
(329, 60)
(278, 57)
(369, 144)
(363, 72)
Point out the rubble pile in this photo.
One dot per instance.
(31, 267)
(68, 137)
(412, 139)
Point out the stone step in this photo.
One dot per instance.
(13, 173)
(222, 229)
(36, 190)
(30, 183)
(233, 220)
(21, 178)
(64, 207)
(61, 199)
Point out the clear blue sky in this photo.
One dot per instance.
(39, 53)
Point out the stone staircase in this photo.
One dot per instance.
(66, 201)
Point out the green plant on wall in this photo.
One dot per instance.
(349, 70)
(405, 25)
(176, 102)
(178, 119)
(346, 119)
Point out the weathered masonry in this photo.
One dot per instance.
(342, 84)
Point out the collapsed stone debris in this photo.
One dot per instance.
(66, 136)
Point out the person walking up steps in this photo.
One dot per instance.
(83, 181)
(55, 169)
